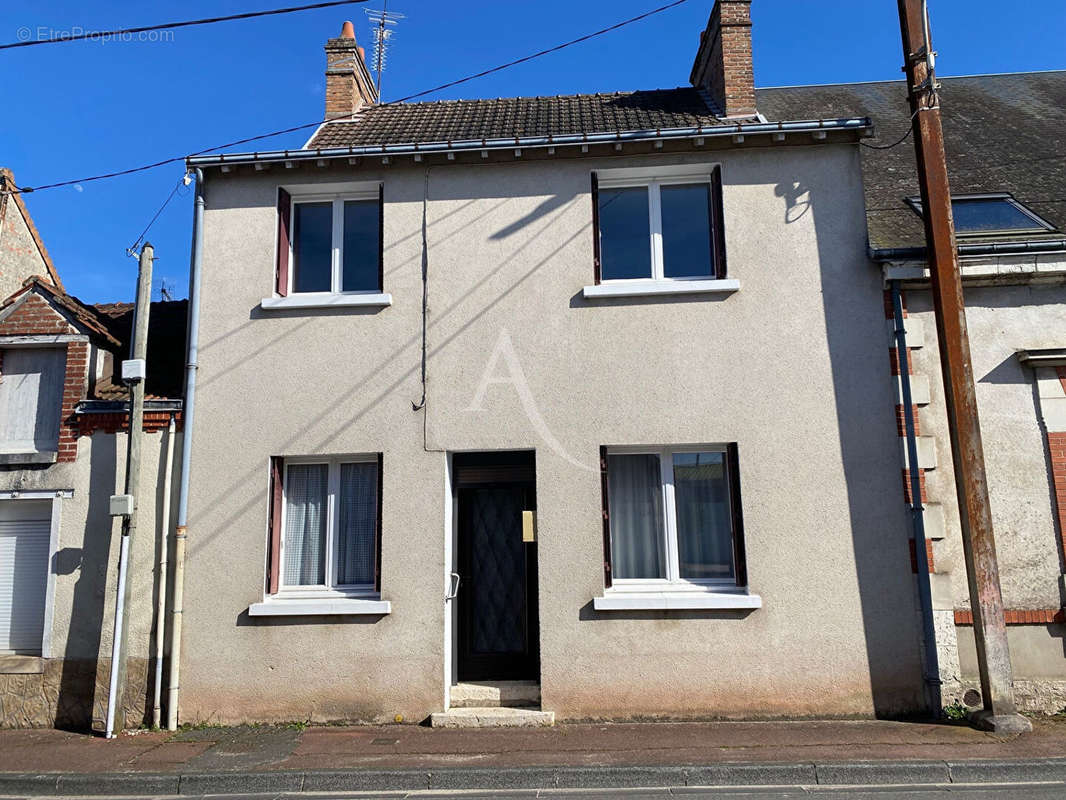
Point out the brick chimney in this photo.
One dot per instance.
(723, 63)
(349, 85)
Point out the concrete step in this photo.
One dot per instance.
(486, 694)
(492, 717)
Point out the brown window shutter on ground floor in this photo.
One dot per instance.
(606, 518)
(277, 489)
(738, 518)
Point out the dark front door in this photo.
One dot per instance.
(497, 625)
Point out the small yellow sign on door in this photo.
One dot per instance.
(529, 522)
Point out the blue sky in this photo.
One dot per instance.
(77, 109)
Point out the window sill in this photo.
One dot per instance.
(326, 300)
(675, 601)
(349, 606)
(650, 288)
(45, 457)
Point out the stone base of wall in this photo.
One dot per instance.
(71, 693)
(1040, 696)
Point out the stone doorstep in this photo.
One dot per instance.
(488, 694)
(492, 717)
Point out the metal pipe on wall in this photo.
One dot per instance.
(191, 366)
(930, 662)
(161, 578)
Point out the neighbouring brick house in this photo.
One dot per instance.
(62, 455)
(1005, 139)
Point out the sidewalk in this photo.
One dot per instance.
(293, 758)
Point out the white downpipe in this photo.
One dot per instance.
(175, 629)
(161, 579)
(120, 606)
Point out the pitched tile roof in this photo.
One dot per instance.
(1002, 133)
(507, 117)
(167, 323)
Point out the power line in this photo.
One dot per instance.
(74, 37)
(132, 249)
(422, 93)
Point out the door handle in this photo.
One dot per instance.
(529, 526)
(454, 588)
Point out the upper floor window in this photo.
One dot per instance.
(989, 215)
(658, 224)
(673, 516)
(330, 242)
(31, 398)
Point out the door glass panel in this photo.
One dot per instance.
(361, 250)
(498, 571)
(625, 233)
(635, 500)
(312, 247)
(704, 521)
(686, 210)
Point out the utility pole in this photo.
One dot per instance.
(979, 545)
(126, 505)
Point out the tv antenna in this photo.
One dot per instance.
(383, 21)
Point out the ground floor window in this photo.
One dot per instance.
(325, 531)
(672, 516)
(25, 535)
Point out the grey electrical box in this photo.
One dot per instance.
(133, 370)
(121, 505)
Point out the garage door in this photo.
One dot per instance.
(25, 526)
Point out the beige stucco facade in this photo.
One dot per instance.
(1026, 310)
(67, 684)
(791, 367)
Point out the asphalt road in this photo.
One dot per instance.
(1015, 791)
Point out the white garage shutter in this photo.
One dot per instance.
(25, 526)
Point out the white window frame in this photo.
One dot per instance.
(338, 197)
(673, 580)
(329, 589)
(654, 179)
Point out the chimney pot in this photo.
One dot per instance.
(723, 66)
(349, 85)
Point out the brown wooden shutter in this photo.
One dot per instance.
(739, 558)
(717, 223)
(381, 237)
(606, 519)
(277, 489)
(281, 276)
(596, 230)
(377, 530)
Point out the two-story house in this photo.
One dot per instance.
(570, 401)
(62, 455)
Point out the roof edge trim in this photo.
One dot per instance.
(858, 124)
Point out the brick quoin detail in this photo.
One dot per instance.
(1036, 616)
(928, 554)
(1056, 442)
(74, 387)
(901, 421)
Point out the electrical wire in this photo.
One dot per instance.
(423, 93)
(171, 25)
(132, 249)
(898, 141)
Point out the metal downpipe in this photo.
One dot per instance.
(930, 662)
(191, 366)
